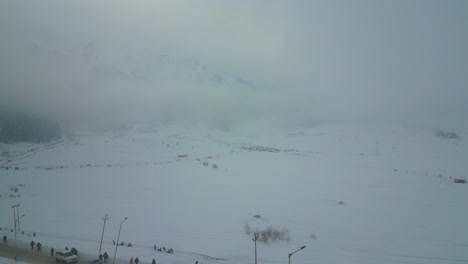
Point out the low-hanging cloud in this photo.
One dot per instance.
(313, 60)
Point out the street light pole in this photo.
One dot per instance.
(290, 254)
(118, 237)
(17, 220)
(255, 241)
(102, 236)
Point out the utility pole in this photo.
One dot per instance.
(255, 241)
(102, 236)
(15, 217)
(118, 237)
(14, 222)
(18, 215)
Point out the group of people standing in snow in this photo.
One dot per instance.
(136, 261)
(103, 256)
(38, 246)
(122, 244)
(163, 249)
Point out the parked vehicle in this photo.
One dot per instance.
(65, 256)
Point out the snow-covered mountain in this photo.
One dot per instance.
(94, 65)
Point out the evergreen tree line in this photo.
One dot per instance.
(19, 127)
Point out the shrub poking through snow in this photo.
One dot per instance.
(269, 234)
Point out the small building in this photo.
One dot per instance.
(459, 181)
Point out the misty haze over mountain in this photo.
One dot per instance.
(229, 64)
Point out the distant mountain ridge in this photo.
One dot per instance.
(153, 68)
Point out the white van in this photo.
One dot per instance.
(65, 256)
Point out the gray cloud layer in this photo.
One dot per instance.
(321, 59)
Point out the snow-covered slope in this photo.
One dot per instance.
(349, 193)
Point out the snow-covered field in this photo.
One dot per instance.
(349, 193)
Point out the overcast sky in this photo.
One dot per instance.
(321, 59)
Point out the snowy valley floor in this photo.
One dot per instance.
(349, 193)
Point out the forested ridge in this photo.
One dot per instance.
(21, 127)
